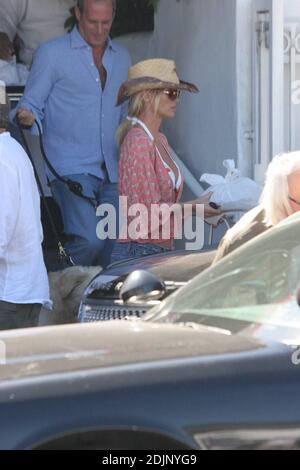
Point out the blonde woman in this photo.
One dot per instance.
(148, 175)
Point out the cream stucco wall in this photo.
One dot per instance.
(244, 58)
(201, 36)
(211, 42)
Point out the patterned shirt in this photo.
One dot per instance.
(144, 179)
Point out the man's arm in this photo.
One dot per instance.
(12, 13)
(40, 82)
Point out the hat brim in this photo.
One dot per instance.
(131, 87)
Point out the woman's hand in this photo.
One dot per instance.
(204, 199)
(208, 210)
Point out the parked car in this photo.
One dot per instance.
(101, 300)
(213, 366)
(254, 291)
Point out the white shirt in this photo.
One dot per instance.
(23, 276)
(35, 21)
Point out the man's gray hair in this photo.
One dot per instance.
(275, 196)
(80, 4)
(4, 114)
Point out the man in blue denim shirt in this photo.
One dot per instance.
(72, 91)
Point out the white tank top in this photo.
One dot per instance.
(176, 184)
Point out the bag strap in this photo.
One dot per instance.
(62, 252)
(74, 186)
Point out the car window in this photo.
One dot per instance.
(256, 284)
(261, 280)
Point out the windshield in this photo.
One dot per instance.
(252, 291)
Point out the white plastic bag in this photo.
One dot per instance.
(234, 192)
(13, 74)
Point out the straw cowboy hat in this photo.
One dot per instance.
(152, 74)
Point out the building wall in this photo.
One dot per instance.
(244, 55)
(201, 36)
(211, 42)
(138, 44)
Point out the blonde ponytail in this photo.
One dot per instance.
(123, 131)
(135, 109)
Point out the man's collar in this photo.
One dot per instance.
(78, 42)
(111, 44)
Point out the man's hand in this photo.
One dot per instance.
(25, 117)
(6, 48)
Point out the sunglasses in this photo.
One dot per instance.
(294, 200)
(172, 94)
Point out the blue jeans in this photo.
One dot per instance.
(131, 250)
(80, 219)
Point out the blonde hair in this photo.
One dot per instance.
(136, 107)
(275, 195)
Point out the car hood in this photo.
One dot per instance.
(67, 348)
(178, 266)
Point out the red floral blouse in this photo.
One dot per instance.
(144, 179)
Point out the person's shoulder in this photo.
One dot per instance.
(12, 153)
(247, 228)
(52, 45)
(250, 225)
(253, 216)
(10, 142)
(163, 138)
(137, 136)
(120, 49)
